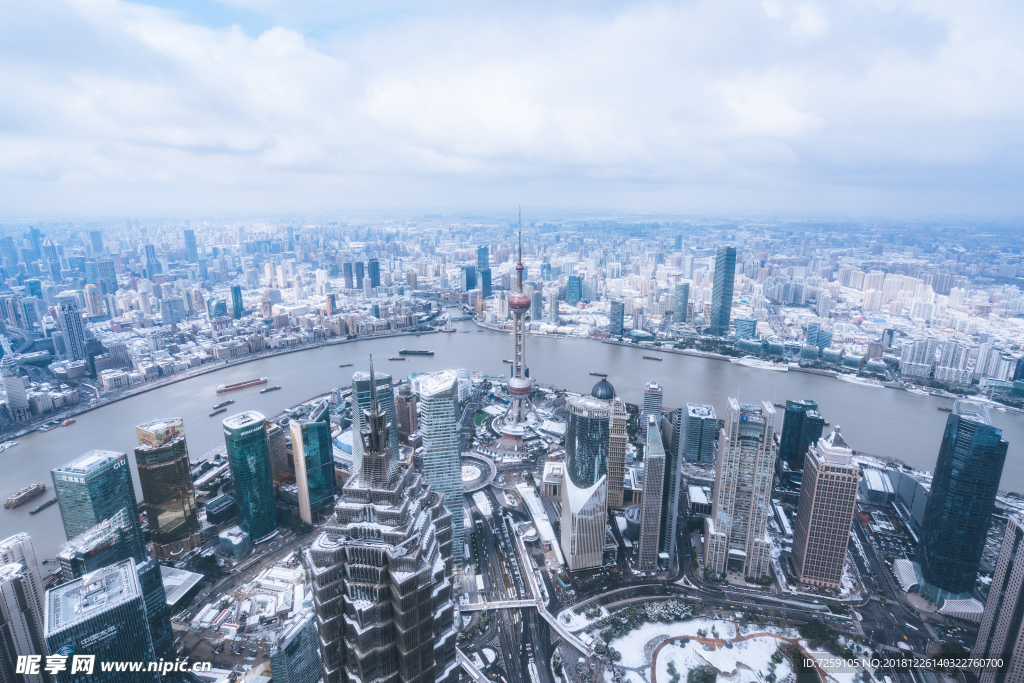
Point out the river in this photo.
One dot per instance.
(878, 421)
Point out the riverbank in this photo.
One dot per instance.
(206, 368)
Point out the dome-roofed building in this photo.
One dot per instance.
(603, 390)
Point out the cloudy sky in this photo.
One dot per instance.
(188, 107)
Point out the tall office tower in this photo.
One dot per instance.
(35, 238)
(828, 499)
(405, 410)
(69, 318)
(346, 269)
(237, 310)
(482, 258)
(19, 549)
(735, 534)
(485, 283)
(314, 461)
(681, 302)
(360, 269)
(361, 401)
(653, 401)
(553, 308)
(585, 490)
(801, 428)
(280, 460)
(1001, 635)
(96, 239)
(442, 464)
(669, 497)
(573, 290)
(116, 539)
(13, 384)
(468, 278)
(296, 655)
(721, 294)
(52, 259)
(700, 434)
(651, 505)
(959, 508)
(191, 248)
(168, 495)
(374, 272)
(248, 450)
(92, 488)
(616, 316)
(519, 384)
(8, 252)
(21, 633)
(381, 572)
(617, 441)
(104, 614)
(153, 267)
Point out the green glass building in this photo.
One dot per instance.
(248, 450)
(314, 461)
(93, 488)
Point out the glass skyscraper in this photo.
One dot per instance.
(442, 463)
(573, 290)
(191, 249)
(485, 282)
(236, 302)
(700, 433)
(681, 302)
(373, 266)
(801, 427)
(959, 508)
(721, 294)
(314, 461)
(93, 488)
(297, 656)
(248, 450)
(168, 494)
(615, 318)
(586, 440)
(361, 398)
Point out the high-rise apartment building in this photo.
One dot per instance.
(191, 248)
(381, 572)
(721, 293)
(653, 400)
(700, 433)
(361, 401)
(1001, 635)
(585, 489)
(959, 508)
(69, 319)
(651, 505)
(735, 534)
(616, 317)
(92, 488)
(801, 427)
(314, 461)
(21, 630)
(104, 614)
(168, 494)
(248, 450)
(13, 385)
(18, 549)
(442, 463)
(828, 499)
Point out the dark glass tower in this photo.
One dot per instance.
(245, 435)
(721, 294)
(374, 267)
(346, 269)
(168, 494)
(485, 282)
(802, 427)
(93, 488)
(573, 290)
(191, 249)
(586, 440)
(482, 258)
(959, 508)
(237, 309)
(615, 317)
(314, 461)
(360, 271)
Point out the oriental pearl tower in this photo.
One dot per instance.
(518, 385)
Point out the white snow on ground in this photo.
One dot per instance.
(745, 662)
(634, 677)
(834, 673)
(575, 622)
(482, 503)
(631, 645)
(490, 655)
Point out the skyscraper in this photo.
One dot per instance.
(52, 259)
(92, 488)
(102, 614)
(585, 490)
(959, 508)
(617, 440)
(237, 310)
(721, 293)
(361, 402)
(153, 266)
(346, 268)
(468, 278)
(248, 451)
(13, 384)
(681, 302)
(801, 427)
(828, 499)
(314, 461)
(616, 315)
(296, 657)
(482, 258)
(573, 290)
(670, 494)
(700, 427)
(22, 625)
(442, 463)
(69, 318)
(19, 549)
(168, 494)
(651, 505)
(191, 248)
(1001, 635)
(653, 401)
(374, 271)
(736, 538)
(485, 282)
(96, 239)
(360, 269)
(381, 572)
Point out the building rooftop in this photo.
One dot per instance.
(603, 390)
(90, 462)
(436, 383)
(697, 410)
(94, 593)
(178, 582)
(243, 420)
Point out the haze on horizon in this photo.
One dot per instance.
(245, 106)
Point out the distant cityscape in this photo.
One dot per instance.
(450, 525)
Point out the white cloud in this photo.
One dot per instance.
(114, 107)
